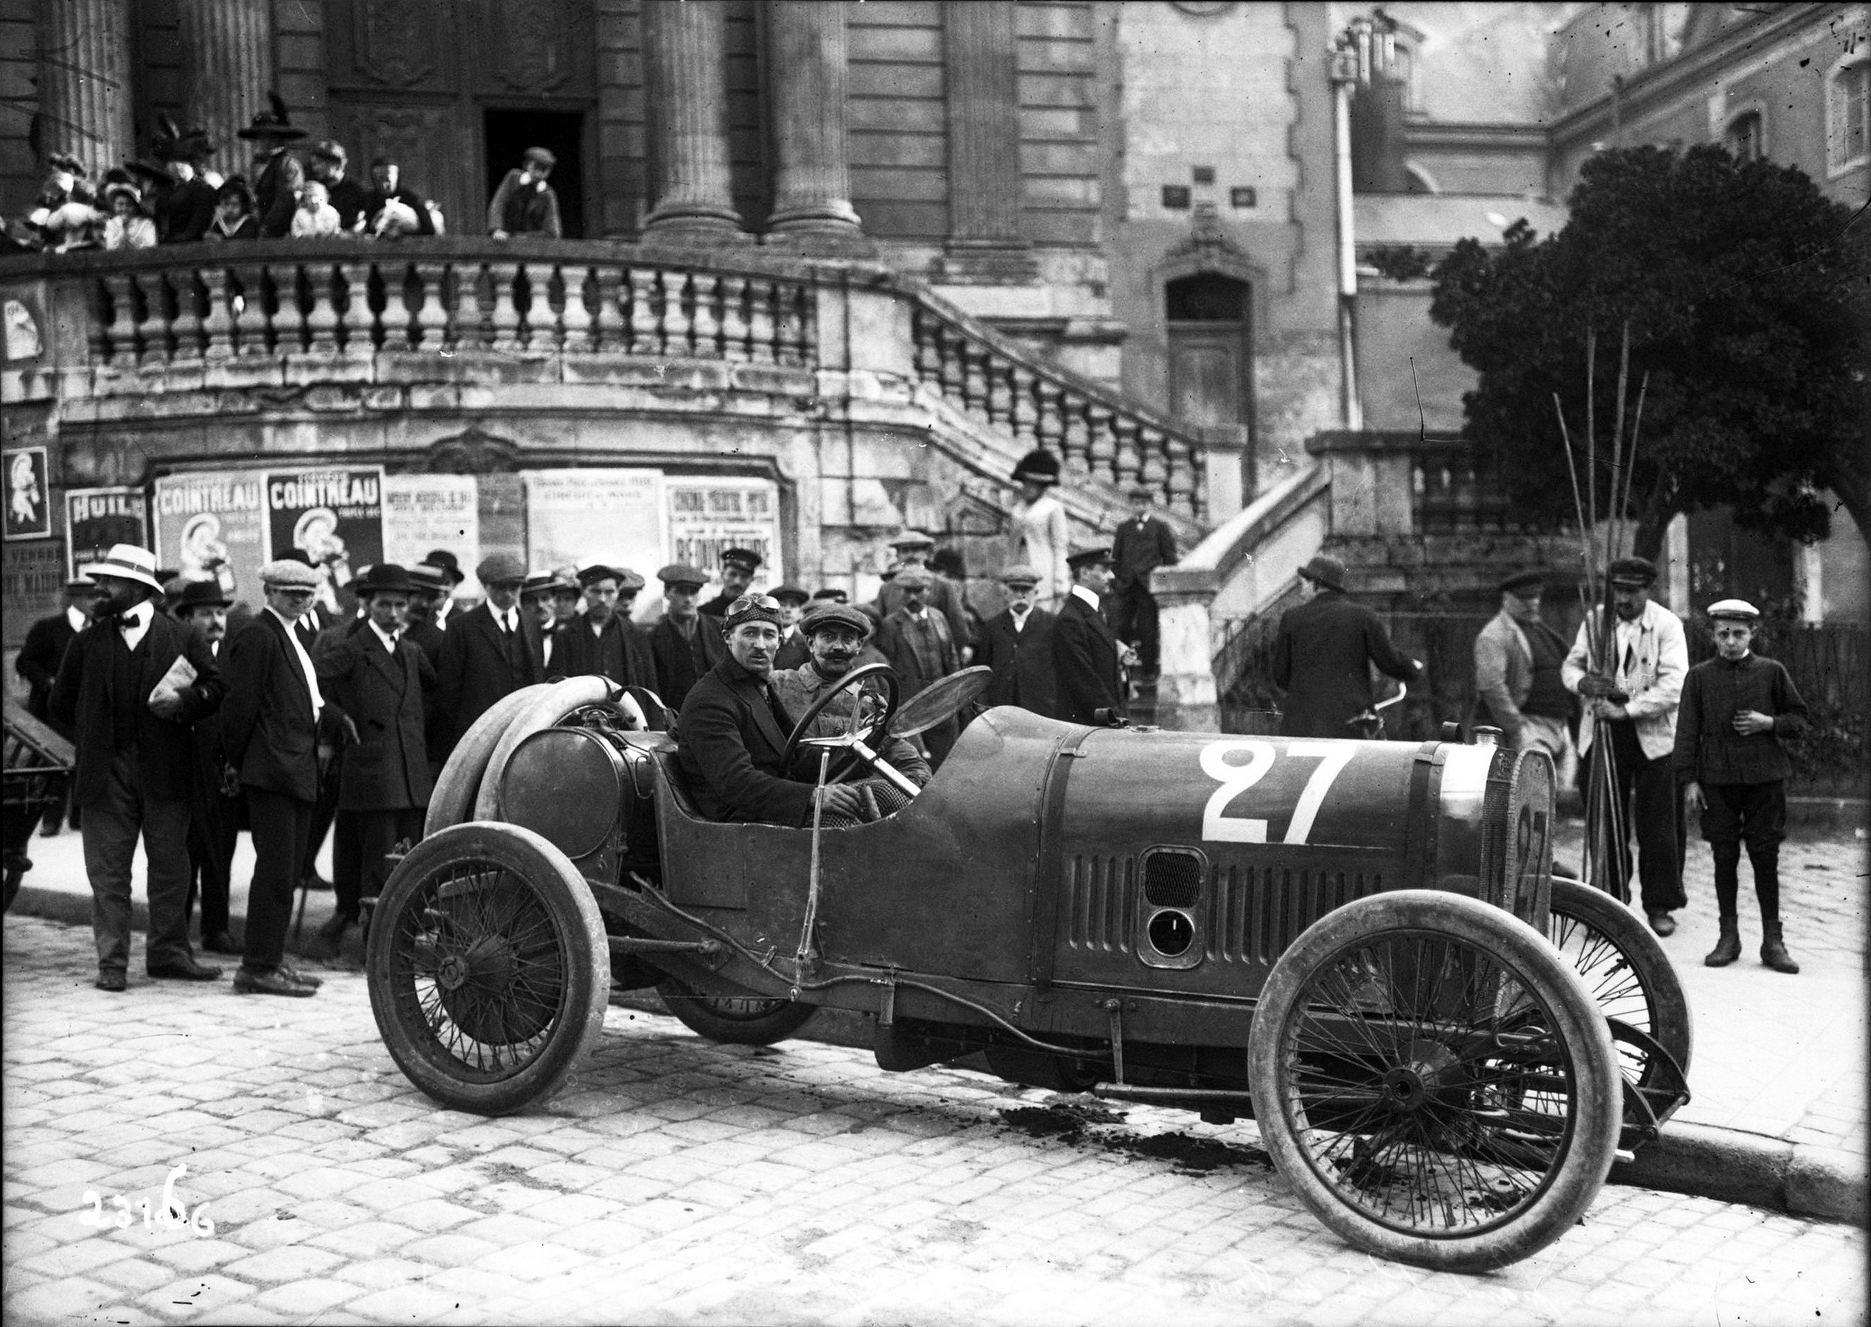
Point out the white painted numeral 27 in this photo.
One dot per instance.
(1237, 779)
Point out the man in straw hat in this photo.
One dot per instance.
(1738, 711)
(1017, 644)
(129, 687)
(1323, 654)
(1635, 703)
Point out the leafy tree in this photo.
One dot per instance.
(1745, 291)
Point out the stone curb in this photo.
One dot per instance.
(1704, 1161)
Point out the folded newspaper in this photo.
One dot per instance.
(181, 674)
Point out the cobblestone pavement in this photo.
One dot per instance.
(680, 1181)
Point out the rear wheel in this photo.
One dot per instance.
(489, 968)
(1434, 1082)
(737, 1020)
(1626, 972)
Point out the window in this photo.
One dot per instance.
(1176, 197)
(1204, 174)
(1745, 138)
(1848, 116)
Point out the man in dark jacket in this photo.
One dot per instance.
(214, 817)
(39, 658)
(538, 598)
(525, 204)
(605, 642)
(186, 209)
(488, 651)
(793, 649)
(1323, 654)
(917, 642)
(409, 216)
(738, 566)
(427, 585)
(326, 165)
(1143, 543)
(686, 644)
(733, 732)
(375, 678)
(913, 548)
(1017, 644)
(1085, 653)
(129, 687)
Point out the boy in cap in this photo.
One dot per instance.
(1518, 687)
(686, 644)
(1017, 644)
(738, 566)
(1738, 709)
(525, 204)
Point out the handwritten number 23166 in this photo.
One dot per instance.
(172, 1212)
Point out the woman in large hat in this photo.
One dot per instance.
(1041, 536)
(279, 174)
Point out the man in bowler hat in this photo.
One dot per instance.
(1323, 653)
(489, 651)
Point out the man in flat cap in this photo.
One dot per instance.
(1086, 657)
(488, 651)
(686, 643)
(916, 639)
(277, 736)
(1141, 545)
(913, 548)
(738, 566)
(130, 686)
(1634, 698)
(525, 204)
(39, 657)
(793, 650)
(733, 731)
(1017, 644)
(1518, 688)
(835, 635)
(1323, 654)
(605, 642)
(1738, 712)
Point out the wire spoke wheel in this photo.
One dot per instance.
(489, 968)
(1433, 1082)
(1626, 972)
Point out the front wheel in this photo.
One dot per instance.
(737, 1020)
(1434, 1082)
(1627, 974)
(489, 968)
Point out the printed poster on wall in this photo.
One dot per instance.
(28, 494)
(614, 516)
(422, 513)
(709, 515)
(335, 516)
(96, 518)
(211, 526)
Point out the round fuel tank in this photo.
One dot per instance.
(579, 787)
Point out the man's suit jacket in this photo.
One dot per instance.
(1022, 661)
(945, 597)
(84, 698)
(1139, 548)
(729, 743)
(576, 651)
(1084, 662)
(267, 723)
(184, 213)
(676, 672)
(477, 670)
(428, 637)
(917, 668)
(793, 652)
(39, 657)
(1322, 659)
(388, 767)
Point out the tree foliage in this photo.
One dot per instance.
(1745, 291)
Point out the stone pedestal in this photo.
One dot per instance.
(811, 205)
(84, 82)
(684, 47)
(1186, 699)
(984, 242)
(1227, 468)
(227, 67)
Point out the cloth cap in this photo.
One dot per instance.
(385, 577)
(288, 574)
(498, 567)
(198, 594)
(1028, 576)
(128, 562)
(1632, 571)
(539, 156)
(447, 561)
(681, 573)
(744, 558)
(913, 578)
(912, 539)
(830, 614)
(1090, 553)
(832, 593)
(1038, 466)
(331, 150)
(795, 593)
(1325, 570)
(751, 608)
(628, 582)
(1520, 582)
(1734, 610)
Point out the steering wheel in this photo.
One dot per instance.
(869, 736)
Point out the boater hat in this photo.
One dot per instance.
(450, 566)
(912, 539)
(127, 562)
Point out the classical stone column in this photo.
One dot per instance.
(84, 81)
(812, 180)
(685, 49)
(227, 66)
(1186, 699)
(984, 143)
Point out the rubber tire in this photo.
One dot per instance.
(452, 801)
(1670, 1022)
(1587, 1161)
(731, 1030)
(538, 714)
(584, 947)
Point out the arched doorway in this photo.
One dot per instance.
(1209, 318)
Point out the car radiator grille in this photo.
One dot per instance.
(1256, 913)
(1101, 903)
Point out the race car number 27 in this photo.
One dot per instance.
(1220, 762)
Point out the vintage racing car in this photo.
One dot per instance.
(1358, 944)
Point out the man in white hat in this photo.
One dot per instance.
(129, 687)
(1737, 712)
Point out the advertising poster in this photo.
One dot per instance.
(211, 525)
(96, 518)
(28, 494)
(709, 515)
(32, 586)
(335, 516)
(614, 516)
(422, 513)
